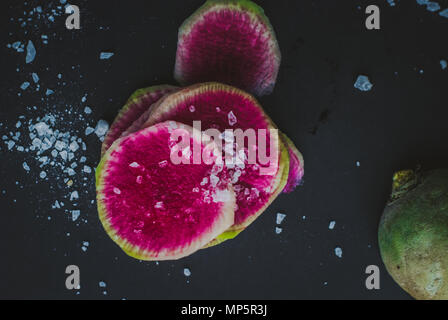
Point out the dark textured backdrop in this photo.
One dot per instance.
(399, 124)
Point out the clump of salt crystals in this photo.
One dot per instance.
(222, 196)
(51, 151)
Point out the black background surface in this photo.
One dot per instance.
(325, 45)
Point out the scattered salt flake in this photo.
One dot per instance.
(74, 146)
(232, 118)
(25, 166)
(391, 3)
(159, 205)
(75, 214)
(101, 128)
(358, 164)
(74, 196)
(106, 55)
(432, 6)
(64, 155)
(134, 165)
(35, 77)
(83, 248)
(89, 130)
(331, 225)
(163, 164)
(338, 252)
(60, 145)
(187, 272)
(49, 92)
(85, 243)
(280, 218)
(56, 205)
(30, 52)
(444, 13)
(278, 230)
(87, 110)
(87, 169)
(214, 180)
(444, 63)
(139, 179)
(24, 85)
(117, 191)
(192, 108)
(43, 174)
(102, 284)
(363, 83)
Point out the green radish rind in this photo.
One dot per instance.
(126, 117)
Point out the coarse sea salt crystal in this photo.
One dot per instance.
(87, 169)
(106, 55)
(444, 13)
(232, 118)
(163, 164)
(187, 272)
(134, 165)
(35, 77)
(30, 52)
(25, 166)
(25, 85)
(74, 196)
(101, 128)
(363, 83)
(280, 218)
(159, 205)
(338, 252)
(75, 214)
(331, 225)
(89, 130)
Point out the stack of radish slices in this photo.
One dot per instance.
(187, 168)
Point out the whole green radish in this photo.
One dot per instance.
(413, 233)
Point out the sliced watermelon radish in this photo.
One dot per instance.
(221, 107)
(296, 165)
(155, 209)
(229, 41)
(138, 124)
(137, 103)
